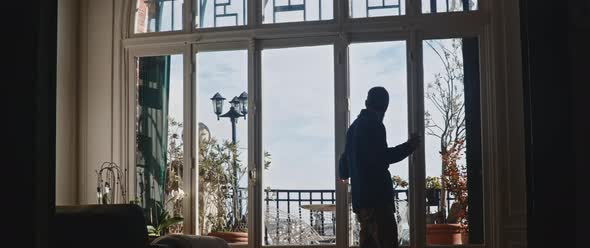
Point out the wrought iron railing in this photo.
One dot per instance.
(287, 204)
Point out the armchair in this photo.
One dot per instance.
(100, 226)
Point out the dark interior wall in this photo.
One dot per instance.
(579, 51)
(555, 63)
(28, 96)
(45, 114)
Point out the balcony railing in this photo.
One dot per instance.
(287, 207)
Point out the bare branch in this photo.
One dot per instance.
(434, 134)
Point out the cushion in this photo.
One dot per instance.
(190, 241)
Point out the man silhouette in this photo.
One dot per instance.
(365, 161)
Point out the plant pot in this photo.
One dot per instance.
(465, 237)
(444, 234)
(152, 238)
(231, 237)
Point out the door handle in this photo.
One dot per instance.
(252, 175)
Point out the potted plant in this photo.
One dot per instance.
(455, 177)
(165, 216)
(173, 175)
(218, 165)
(162, 223)
(399, 182)
(451, 230)
(433, 188)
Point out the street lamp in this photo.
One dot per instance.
(238, 108)
(217, 104)
(243, 98)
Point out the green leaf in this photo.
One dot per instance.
(170, 221)
(152, 231)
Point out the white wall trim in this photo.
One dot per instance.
(66, 104)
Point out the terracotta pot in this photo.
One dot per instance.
(465, 237)
(444, 234)
(152, 238)
(231, 237)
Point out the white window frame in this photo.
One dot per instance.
(413, 27)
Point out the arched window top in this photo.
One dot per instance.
(152, 16)
(157, 15)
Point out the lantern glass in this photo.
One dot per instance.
(244, 102)
(236, 104)
(217, 101)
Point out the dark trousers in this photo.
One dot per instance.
(378, 227)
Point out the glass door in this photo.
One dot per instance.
(384, 64)
(222, 140)
(299, 203)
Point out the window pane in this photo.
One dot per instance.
(452, 140)
(376, 8)
(159, 151)
(158, 16)
(438, 6)
(277, 11)
(223, 143)
(220, 13)
(384, 64)
(298, 121)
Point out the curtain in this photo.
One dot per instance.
(152, 130)
(470, 49)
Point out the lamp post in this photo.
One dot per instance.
(238, 108)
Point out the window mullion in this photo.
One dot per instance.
(254, 13)
(189, 143)
(255, 151)
(413, 7)
(417, 160)
(341, 99)
(188, 16)
(340, 11)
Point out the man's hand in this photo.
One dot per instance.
(415, 140)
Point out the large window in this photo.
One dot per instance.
(239, 133)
